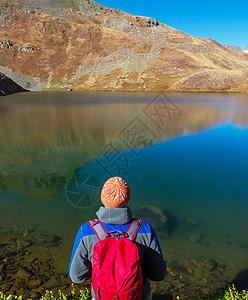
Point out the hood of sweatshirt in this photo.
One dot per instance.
(115, 215)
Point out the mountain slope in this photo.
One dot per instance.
(83, 45)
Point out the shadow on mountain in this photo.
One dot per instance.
(8, 86)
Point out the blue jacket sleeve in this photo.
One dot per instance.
(80, 267)
(154, 264)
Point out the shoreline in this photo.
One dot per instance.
(8, 92)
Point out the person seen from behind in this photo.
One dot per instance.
(122, 255)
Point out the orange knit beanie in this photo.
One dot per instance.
(115, 193)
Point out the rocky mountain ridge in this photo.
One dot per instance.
(82, 45)
(238, 49)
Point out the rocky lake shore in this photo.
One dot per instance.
(30, 265)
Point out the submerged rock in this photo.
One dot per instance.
(53, 282)
(153, 215)
(34, 283)
(195, 237)
(22, 243)
(23, 274)
(33, 295)
(192, 275)
(7, 287)
(192, 222)
(195, 268)
(45, 238)
(48, 239)
(11, 249)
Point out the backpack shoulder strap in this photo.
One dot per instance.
(98, 228)
(134, 228)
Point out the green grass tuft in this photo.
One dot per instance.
(230, 293)
(233, 294)
(83, 295)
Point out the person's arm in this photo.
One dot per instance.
(154, 264)
(80, 267)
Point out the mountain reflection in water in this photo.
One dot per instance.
(47, 138)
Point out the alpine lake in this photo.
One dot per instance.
(184, 155)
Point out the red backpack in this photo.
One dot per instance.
(116, 273)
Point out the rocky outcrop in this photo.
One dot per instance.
(148, 22)
(10, 45)
(238, 49)
(82, 45)
(213, 80)
(235, 48)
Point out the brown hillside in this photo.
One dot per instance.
(85, 46)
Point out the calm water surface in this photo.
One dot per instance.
(184, 154)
